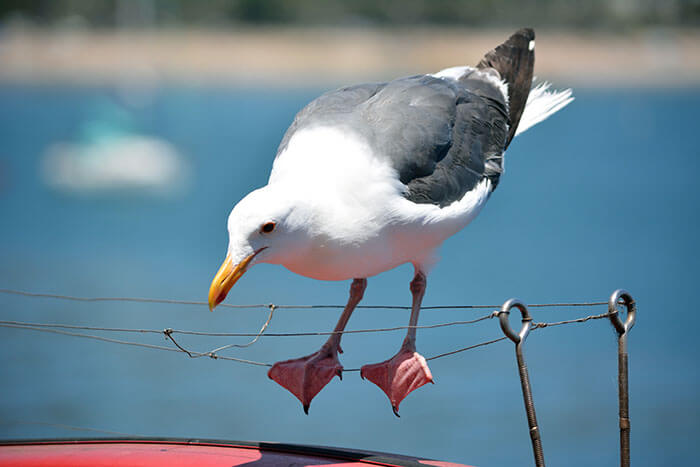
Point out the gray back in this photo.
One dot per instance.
(441, 136)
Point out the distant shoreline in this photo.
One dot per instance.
(295, 57)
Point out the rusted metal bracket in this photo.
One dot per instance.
(622, 368)
(519, 340)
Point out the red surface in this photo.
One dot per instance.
(153, 453)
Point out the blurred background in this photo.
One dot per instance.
(129, 129)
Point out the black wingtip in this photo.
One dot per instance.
(306, 409)
(396, 411)
(528, 33)
(515, 62)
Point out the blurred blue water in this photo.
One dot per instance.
(604, 195)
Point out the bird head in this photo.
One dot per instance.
(261, 228)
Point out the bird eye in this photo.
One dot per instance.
(267, 227)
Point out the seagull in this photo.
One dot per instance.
(373, 176)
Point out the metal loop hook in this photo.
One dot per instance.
(505, 325)
(629, 303)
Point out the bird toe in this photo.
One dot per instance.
(306, 376)
(399, 376)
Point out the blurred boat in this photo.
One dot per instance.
(130, 163)
(112, 157)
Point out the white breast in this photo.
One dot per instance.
(361, 224)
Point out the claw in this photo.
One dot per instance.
(399, 376)
(306, 376)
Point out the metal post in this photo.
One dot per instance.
(622, 369)
(519, 340)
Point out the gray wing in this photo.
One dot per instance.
(332, 108)
(442, 136)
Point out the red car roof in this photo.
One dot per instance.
(174, 453)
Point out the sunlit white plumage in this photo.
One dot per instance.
(347, 214)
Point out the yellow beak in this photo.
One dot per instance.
(227, 275)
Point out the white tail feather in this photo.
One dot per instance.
(541, 103)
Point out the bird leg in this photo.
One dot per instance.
(407, 370)
(306, 376)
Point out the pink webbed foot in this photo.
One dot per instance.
(398, 376)
(306, 376)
